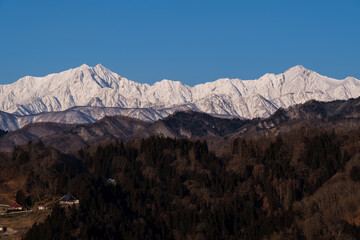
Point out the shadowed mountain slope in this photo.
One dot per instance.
(70, 137)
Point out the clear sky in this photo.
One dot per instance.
(189, 41)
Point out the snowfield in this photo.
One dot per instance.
(99, 87)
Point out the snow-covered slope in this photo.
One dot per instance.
(98, 86)
(11, 122)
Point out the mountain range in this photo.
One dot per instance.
(87, 94)
(338, 114)
(228, 146)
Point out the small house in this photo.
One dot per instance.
(14, 206)
(42, 208)
(68, 199)
(110, 181)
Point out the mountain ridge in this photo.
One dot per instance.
(97, 86)
(338, 114)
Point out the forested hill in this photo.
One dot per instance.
(299, 185)
(192, 125)
(2, 132)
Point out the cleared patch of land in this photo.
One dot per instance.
(18, 224)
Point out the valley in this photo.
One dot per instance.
(293, 175)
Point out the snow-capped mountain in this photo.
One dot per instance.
(99, 87)
(11, 122)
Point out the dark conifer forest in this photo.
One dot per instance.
(300, 185)
(2, 132)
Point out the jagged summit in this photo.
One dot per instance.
(297, 68)
(83, 66)
(99, 86)
(100, 67)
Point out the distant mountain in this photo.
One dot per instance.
(80, 115)
(99, 87)
(344, 115)
(337, 115)
(194, 124)
(71, 137)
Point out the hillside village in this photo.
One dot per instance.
(15, 218)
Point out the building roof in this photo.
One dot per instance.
(67, 198)
(14, 204)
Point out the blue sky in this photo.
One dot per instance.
(189, 41)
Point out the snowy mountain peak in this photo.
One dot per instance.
(99, 86)
(86, 68)
(101, 68)
(299, 69)
(83, 67)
